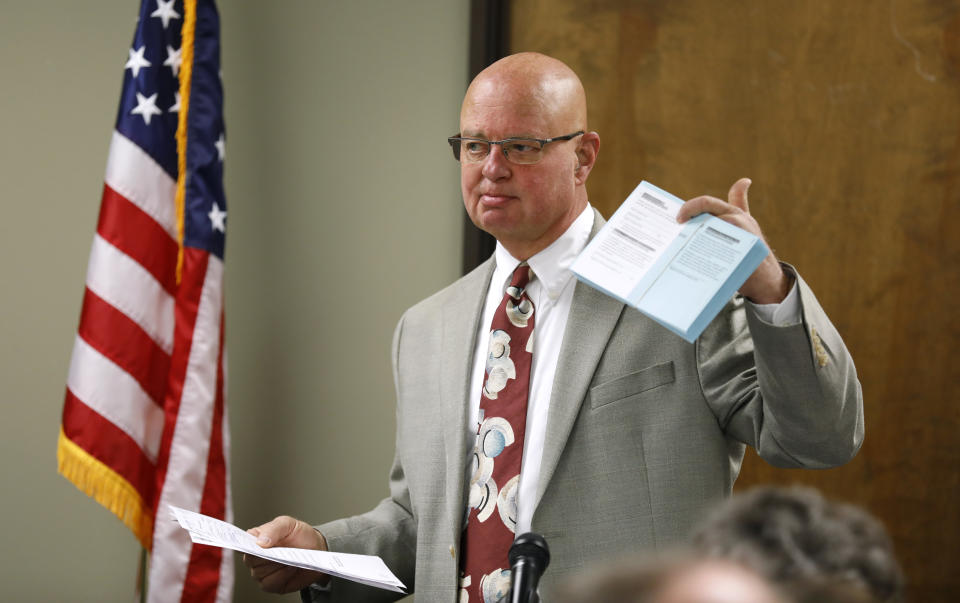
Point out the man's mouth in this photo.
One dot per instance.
(494, 199)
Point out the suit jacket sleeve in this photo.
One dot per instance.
(389, 531)
(791, 392)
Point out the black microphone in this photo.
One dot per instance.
(529, 555)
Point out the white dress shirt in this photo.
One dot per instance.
(551, 291)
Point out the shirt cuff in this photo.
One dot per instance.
(786, 313)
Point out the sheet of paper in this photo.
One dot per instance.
(634, 239)
(366, 569)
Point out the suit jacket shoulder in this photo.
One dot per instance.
(469, 289)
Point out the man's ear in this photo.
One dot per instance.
(586, 156)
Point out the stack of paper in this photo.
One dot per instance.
(366, 569)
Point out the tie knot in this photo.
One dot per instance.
(521, 278)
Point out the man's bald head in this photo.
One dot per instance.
(527, 206)
(534, 82)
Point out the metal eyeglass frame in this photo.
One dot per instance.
(455, 143)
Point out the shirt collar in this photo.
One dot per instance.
(552, 264)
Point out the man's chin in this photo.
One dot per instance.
(495, 222)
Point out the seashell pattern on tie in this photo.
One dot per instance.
(498, 449)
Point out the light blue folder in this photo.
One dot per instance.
(697, 274)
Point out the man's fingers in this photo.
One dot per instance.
(738, 194)
(276, 577)
(262, 570)
(703, 204)
(735, 205)
(253, 562)
(279, 578)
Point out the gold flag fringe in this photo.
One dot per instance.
(105, 486)
(186, 74)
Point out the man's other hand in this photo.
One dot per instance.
(768, 284)
(287, 532)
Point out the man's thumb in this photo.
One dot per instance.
(738, 194)
(273, 531)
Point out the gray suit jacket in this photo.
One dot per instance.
(644, 432)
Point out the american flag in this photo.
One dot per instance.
(144, 421)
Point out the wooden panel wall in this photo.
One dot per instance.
(847, 117)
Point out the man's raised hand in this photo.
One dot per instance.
(768, 284)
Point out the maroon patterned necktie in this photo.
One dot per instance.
(492, 509)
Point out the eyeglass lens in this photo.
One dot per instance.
(517, 151)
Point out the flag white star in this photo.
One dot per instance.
(146, 107)
(165, 12)
(137, 60)
(174, 58)
(221, 145)
(218, 218)
(175, 107)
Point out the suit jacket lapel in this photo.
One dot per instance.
(593, 316)
(460, 324)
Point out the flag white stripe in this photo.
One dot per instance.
(130, 288)
(225, 587)
(113, 393)
(135, 175)
(187, 468)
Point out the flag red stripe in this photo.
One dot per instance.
(187, 305)
(109, 444)
(133, 231)
(116, 336)
(203, 573)
(214, 489)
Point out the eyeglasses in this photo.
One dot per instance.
(522, 151)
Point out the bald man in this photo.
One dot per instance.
(630, 431)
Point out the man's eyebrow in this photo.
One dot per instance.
(475, 134)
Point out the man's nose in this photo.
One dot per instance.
(495, 165)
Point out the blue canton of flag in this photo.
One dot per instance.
(150, 99)
(149, 110)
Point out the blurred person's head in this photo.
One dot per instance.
(716, 581)
(670, 580)
(795, 535)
